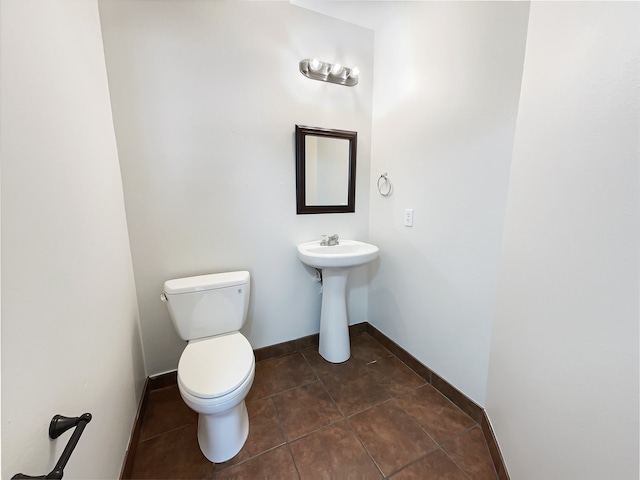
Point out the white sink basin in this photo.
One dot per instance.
(349, 253)
(335, 262)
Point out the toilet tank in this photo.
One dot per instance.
(208, 305)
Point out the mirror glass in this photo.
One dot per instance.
(326, 180)
(325, 170)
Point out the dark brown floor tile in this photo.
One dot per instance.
(437, 415)
(323, 368)
(366, 348)
(435, 466)
(333, 452)
(175, 454)
(276, 375)
(264, 432)
(471, 454)
(394, 376)
(392, 437)
(354, 392)
(274, 464)
(166, 411)
(305, 409)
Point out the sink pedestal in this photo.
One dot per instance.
(334, 326)
(335, 262)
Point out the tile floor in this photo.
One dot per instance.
(368, 418)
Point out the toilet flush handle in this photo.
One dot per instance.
(164, 298)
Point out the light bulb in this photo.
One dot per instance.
(355, 71)
(315, 64)
(336, 69)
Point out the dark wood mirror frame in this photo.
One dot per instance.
(301, 134)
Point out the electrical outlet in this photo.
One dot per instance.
(408, 217)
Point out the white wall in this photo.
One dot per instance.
(70, 341)
(206, 96)
(447, 80)
(563, 382)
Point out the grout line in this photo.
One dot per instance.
(293, 440)
(284, 435)
(333, 400)
(461, 434)
(366, 449)
(185, 425)
(412, 462)
(293, 459)
(220, 468)
(275, 411)
(464, 472)
(418, 423)
(390, 399)
(283, 391)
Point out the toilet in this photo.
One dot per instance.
(217, 367)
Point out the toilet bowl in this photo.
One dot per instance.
(214, 377)
(217, 367)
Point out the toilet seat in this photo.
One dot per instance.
(215, 366)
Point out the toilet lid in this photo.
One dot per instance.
(216, 366)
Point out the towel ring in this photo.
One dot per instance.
(385, 188)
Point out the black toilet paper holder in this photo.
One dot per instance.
(57, 427)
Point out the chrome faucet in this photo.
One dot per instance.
(330, 240)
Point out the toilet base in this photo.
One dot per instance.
(221, 436)
(223, 422)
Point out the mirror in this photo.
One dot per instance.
(325, 170)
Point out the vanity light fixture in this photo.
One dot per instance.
(328, 72)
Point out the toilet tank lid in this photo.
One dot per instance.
(205, 282)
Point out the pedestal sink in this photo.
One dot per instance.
(335, 262)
